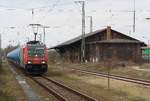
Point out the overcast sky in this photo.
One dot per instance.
(64, 18)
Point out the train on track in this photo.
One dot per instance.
(32, 57)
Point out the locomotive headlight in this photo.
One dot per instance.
(43, 62)
(29, 62)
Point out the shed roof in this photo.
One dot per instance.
(95, 32)
(116, 41)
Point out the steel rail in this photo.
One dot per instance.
(51, 91)
(89, 98)
(56, 94)
(122, 78)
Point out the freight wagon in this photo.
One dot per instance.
(32, 57)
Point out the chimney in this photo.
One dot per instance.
(109, 33)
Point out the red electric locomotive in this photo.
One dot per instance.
(35, 57)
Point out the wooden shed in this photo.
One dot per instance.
(102, 45)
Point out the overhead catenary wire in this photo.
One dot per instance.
(50, 7)
(30, 8)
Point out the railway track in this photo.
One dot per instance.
(60, 91)
(121, 78)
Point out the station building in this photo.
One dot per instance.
(102, 45)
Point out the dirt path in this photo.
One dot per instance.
(138, 68)
(32, 96)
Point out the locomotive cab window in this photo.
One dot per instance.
(35, 51)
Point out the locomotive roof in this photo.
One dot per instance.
(35, 43)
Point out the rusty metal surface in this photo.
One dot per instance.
(51, 91)
(117, 77)
(61, 91)
(89, 98)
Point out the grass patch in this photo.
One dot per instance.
(137, 98)
(145, 66)
(4, 96)
(129, 72)
(98, 67)
(119, 91)
(10, 90)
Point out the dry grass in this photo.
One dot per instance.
(145, 66)
(97, 86)
(98, 67)
(10, 90)
(121, 88)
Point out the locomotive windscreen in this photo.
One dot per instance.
(35, 51)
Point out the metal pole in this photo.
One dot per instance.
(35, 29)
(28, 39)
(44, 31)
(40, 37)
(32, 15)
(109, 69)
(0, 52)
(148, 52)
(35, 34)
(83, 31)
(134, 18)
(108, 77)
(91, 24)
(44, 35)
